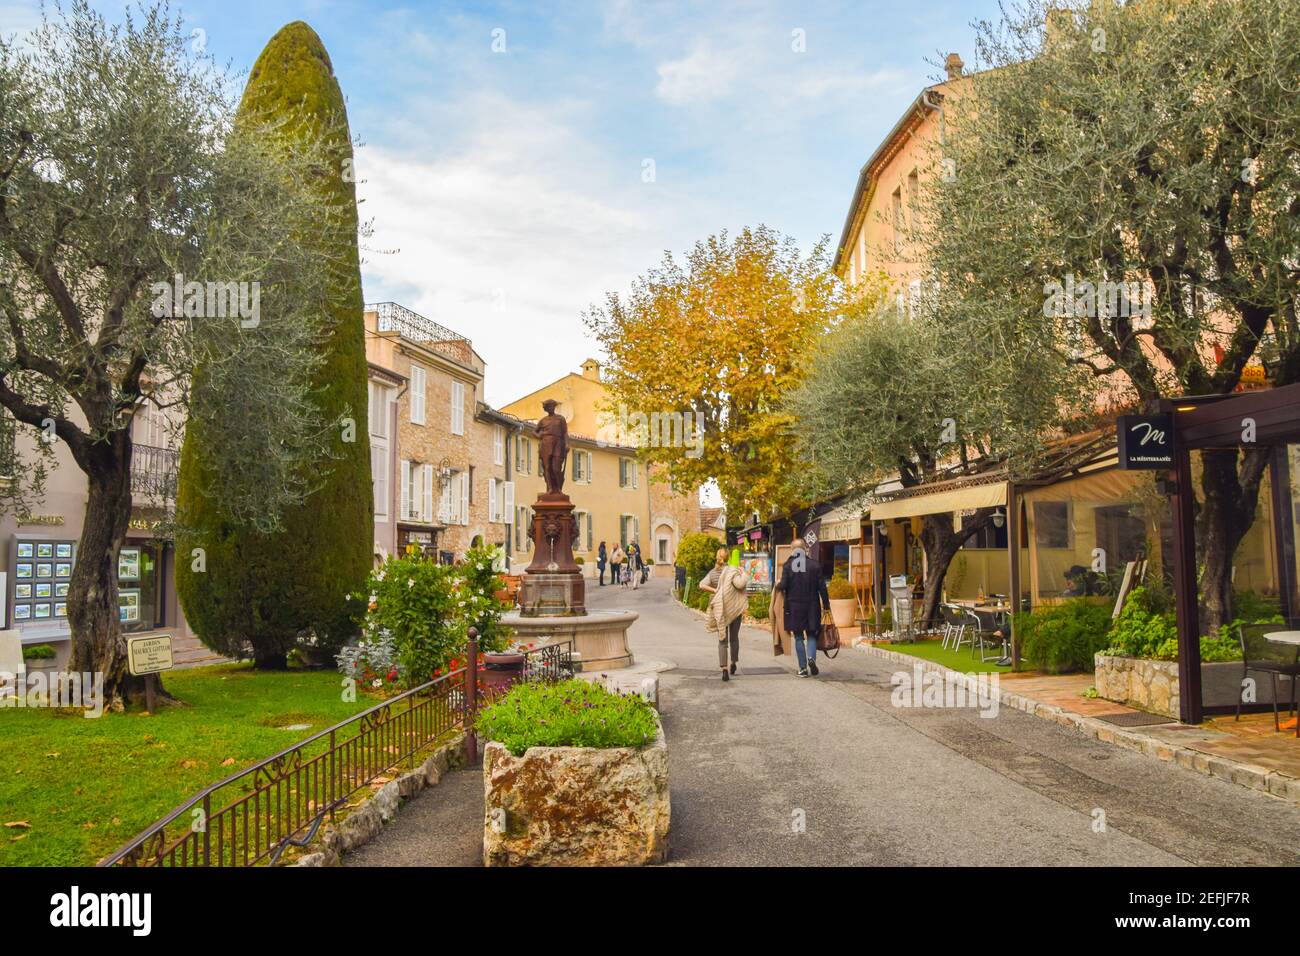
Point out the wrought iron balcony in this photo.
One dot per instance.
(153, 471)
(415, 327)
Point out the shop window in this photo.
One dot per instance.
(137, 586)
(1052, 524)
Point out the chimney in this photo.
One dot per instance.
(954, 66)
(591, 370)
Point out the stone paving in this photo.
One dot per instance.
(773, 769)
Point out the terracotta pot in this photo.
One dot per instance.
(844, 611)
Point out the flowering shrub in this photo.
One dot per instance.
(416, 615)
(371, 662)
(572, 713)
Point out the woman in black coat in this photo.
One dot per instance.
(804, 590)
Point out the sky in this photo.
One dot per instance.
(519, 161)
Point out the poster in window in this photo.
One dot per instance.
(128, 605)
(23, 569)
(42, 589)
(24, 549)
(45, 550)
(60, 609)
(63, 550)
(128, 564)
(22, 612)
(61, 589)
(44, 569)
(42, 611)
(23, 592)
(63, 570)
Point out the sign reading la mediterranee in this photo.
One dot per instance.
(1145, 442)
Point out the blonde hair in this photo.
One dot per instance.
(720, 558)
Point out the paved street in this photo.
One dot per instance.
(875, 784)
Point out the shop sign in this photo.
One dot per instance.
(1146, 442)
(149, 655)
(53, 520)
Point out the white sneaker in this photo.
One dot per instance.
(803, 672)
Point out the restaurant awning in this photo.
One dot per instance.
(843, 523)
(987, 495)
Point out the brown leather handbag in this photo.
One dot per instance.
(828, 636)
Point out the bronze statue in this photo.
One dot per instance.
(553, 444)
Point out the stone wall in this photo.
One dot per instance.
(1147, 685)
(576, 806)
(1153, 685)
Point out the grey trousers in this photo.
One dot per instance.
(732, 639)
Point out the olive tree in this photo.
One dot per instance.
(130, 221)
(1119, 196)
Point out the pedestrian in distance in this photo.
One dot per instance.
(727, 583)
(602, 558)
(616, 561)
(804, 591)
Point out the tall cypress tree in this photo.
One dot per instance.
(275, 589)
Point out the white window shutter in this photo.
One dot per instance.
(636, 469)
(426, 504)
(509, 508)
(492, 499)
(464, 497)
(417, 395)
(406, 489)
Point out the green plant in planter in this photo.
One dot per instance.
(39, 652)
(840, 589)
(760, 605)
(1141, 631)
(572, 713)
(1063, 638)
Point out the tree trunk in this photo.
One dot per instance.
(941, 544)
(97, 642)
(1227, 513)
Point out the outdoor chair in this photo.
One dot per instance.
(968, 627)
(952, 625)
(1263, 657)
(997, 637)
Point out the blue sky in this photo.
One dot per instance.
(506, 188)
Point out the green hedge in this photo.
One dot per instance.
(1063, 638)
(760, 605)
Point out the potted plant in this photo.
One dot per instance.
(573, 775)
(40, 657)
(844, 603)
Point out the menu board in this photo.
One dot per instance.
(41, 572)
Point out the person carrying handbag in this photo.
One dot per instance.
(804, 591)
(728, 584)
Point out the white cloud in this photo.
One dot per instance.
(508, 233)
(703, 75)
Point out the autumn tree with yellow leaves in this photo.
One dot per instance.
(724, 334)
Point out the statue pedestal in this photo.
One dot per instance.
(552, 584)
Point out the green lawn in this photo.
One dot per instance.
(87, 786)
(957, 660)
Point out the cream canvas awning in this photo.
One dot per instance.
(941, 502)
(843, 523)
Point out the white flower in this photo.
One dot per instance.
(379, 576)
(410, 582)
(377, 683)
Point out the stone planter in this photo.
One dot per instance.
(576, 806)
(1153, 685)
(844, 611)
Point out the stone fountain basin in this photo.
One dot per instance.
(599, 636)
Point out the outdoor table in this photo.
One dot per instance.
(1291, 638)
